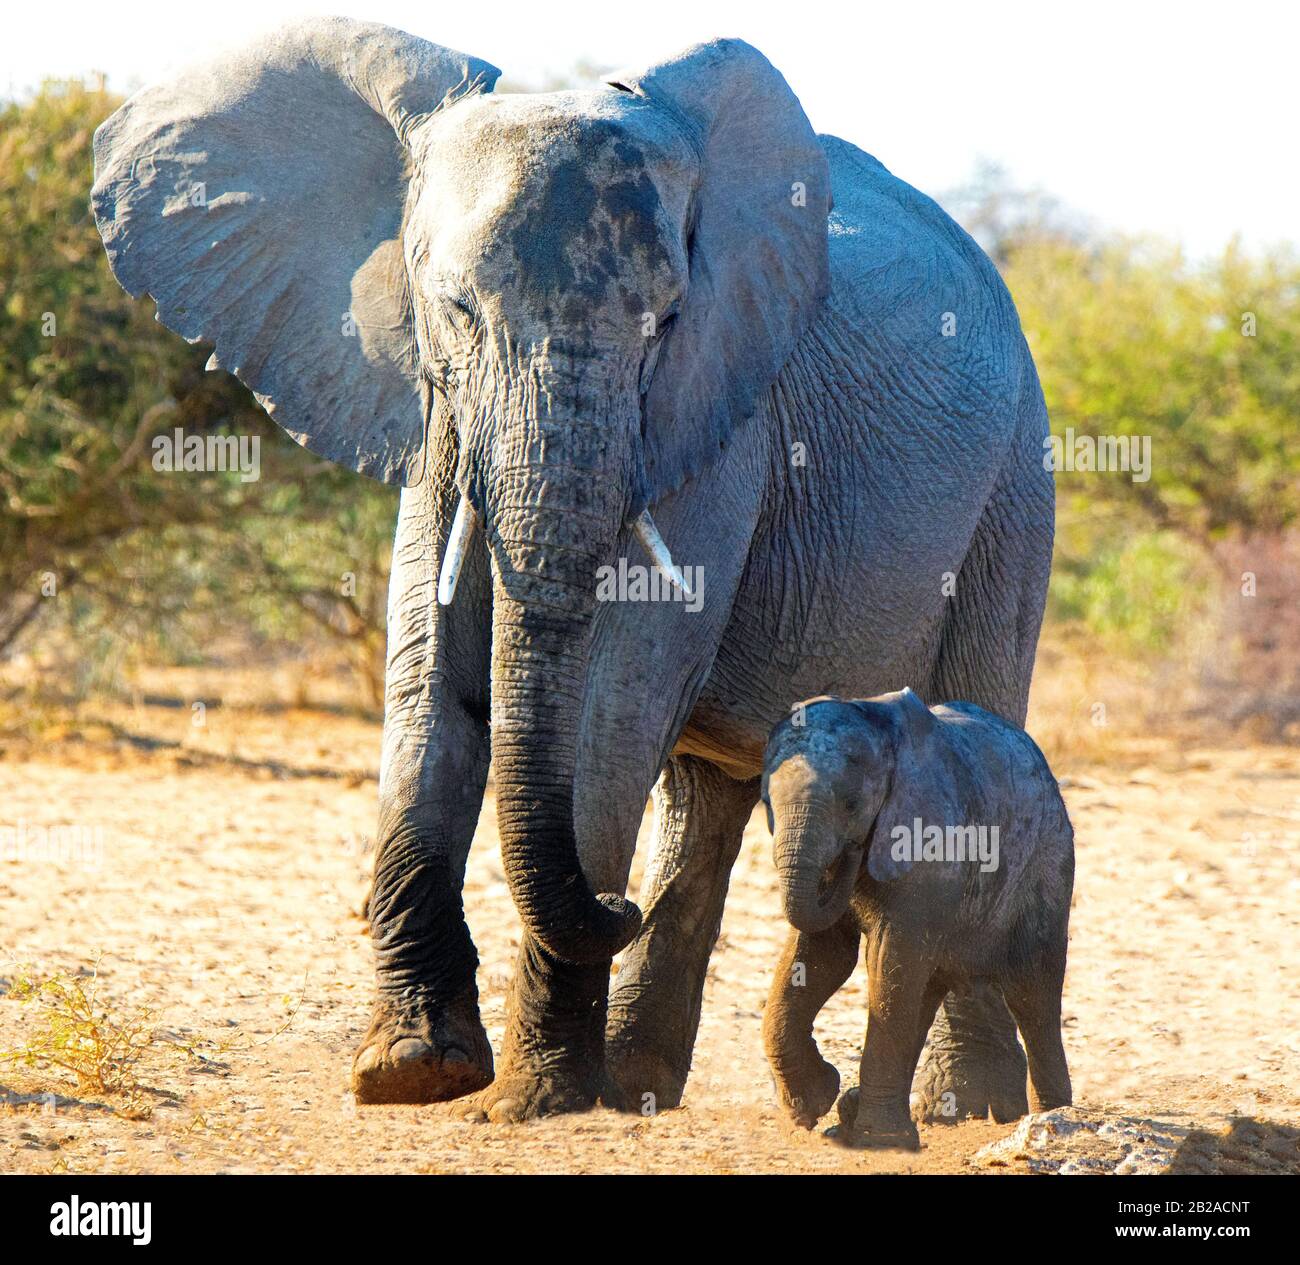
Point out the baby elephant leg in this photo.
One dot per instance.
(1034, 998)
(812, 967)
(902, 996)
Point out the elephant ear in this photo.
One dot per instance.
(758, 257)
(258, 197)
(918, 786)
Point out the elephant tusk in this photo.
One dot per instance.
(648, 534)
(462, 532)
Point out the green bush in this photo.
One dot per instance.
(1136, 594)
(93, 539)
(1131, 339)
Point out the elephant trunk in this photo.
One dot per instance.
(808, 854)
(552, 521)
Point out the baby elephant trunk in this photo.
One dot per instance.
(817, 873)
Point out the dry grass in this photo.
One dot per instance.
(1090, 709)
(1086, 707)
(76, 1033)
(100, 1048)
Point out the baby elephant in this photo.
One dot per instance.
(969, 870)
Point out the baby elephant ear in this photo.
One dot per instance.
(258, 197)
(916, 716)
(918, 787)
(758, 257)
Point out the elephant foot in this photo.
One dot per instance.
(528, 1095)
(643, 1081)
(954, 1084)
(807, 1091)
(884, 1128)
(417, 1053)
(973, 1066)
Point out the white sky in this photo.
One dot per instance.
(1150, 117)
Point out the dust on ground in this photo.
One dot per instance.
(232, 858)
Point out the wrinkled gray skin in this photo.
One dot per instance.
(567, 308)
(839, 778)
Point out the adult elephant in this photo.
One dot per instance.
(562, 321)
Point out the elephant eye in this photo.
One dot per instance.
(461, 312)
(456, 304)
(852, 804)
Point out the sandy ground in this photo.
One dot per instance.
(226, 900)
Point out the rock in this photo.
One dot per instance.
(1075, 1140)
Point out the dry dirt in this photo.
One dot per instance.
(226, 900)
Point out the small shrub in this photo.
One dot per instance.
(75, 1033)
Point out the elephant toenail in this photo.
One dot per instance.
(504, 1112)
(408, 1050)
